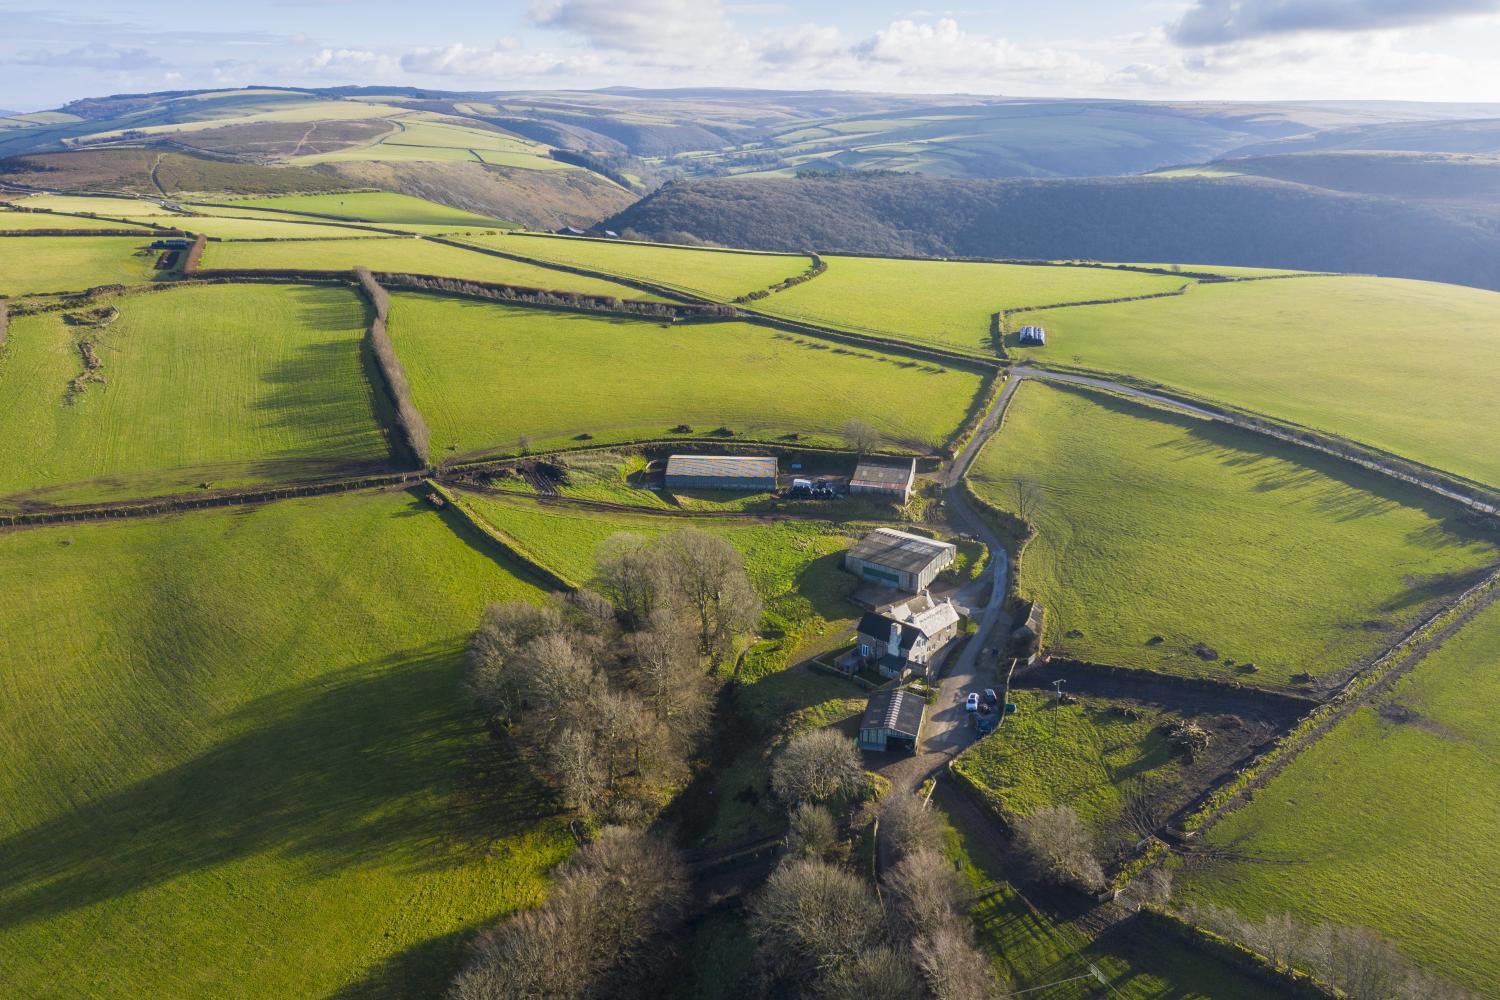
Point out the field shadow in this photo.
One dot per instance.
(374, 763)
(311, 395)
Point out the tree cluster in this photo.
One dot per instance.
(605, 690)
(823, 932)
(1357, 960)
(1053, 845)
(598, 934)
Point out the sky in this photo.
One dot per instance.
(1428, 50)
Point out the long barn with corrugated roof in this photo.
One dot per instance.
(721, 472)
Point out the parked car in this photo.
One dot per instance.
(972, 704)
(990, 697)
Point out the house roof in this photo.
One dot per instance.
(898, 550)
(895, 709)
(892, 477)
(723, 466)
(878, 626)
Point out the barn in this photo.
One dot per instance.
(893, 481)
(892, 720)
(721, 472)
(899, 560)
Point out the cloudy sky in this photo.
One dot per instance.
(1184, 49)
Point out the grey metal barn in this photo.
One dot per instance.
(893, 481)
(892, 720)
(721, 472)
(900, 560)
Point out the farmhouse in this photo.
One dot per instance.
(1032, 336)
(897, 559)
(892, 481)
(903, 638)
(721, 472)
(892, 720)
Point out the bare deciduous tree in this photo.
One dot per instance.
(906, 824)
(878, 973)
(860, 436)
(632, 575)
(1053, 845)
(607, 905)
(811, 833)
(504, 630)
(816, 766)
(812, 916)
(709, 576)
(1029, 497)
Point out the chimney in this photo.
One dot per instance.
(894, 646)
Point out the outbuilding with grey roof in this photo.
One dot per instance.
(899, 560)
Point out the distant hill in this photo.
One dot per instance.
(1476, 135)
(156, 172)
(1444, 177)
(1229, 220)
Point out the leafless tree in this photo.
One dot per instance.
(632, 575)
(906, 824)
(816, 766)
(860, 436)
(812, 916)
(606, 906)
(952, 964)
(708, 574)
(664, 660)
(1029, 497)
(504, 630)
(1153, 887)
(1053, 845)
(812, 833)
(878, 973)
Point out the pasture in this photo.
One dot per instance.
(228, 227)
(369, 206)
(1174, 544)
(711, 274)
(1388, 821)
(84, 204)
(945, 303)
(32, 221)
(409, 256)
(486, 374)
(38, 265)
(1408, 366)
(224, 385)
(234, 759)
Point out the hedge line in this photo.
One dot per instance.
(87, 232)
(645, 286)
(409, 421)
(4, 324)
(172, 505)
(554, 299)
(1291, 982)
(979, 411)
(818, 267)
(1312, 725)
(510, 546)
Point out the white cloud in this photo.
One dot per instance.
(503, 60)
(807, 45)
(1217, 22)
(352, 64)
(95, 55)
(943, 50)
(678, 33)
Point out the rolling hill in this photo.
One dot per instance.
(1227, 220)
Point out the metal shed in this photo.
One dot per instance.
(892, 720)
(893, 481)
(721, 472)
(900, 560)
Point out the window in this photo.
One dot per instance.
(864, 649)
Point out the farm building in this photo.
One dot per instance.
(1032, 336)
(897, 559)
(721, 472)
(892, 720)
(903, 638)
(892, 481)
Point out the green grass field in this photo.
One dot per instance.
(1080, 755)
(226, 384)
(117, 208)
(945, 303)
(410, 256)
(713, 274)
(485, 374)
(235, 759)
(1032, 952)
(1158, 525)
(31, 221)
(226, 227)
(373, 206)
(1407, 366)
(37, 265)
(1389, 821)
